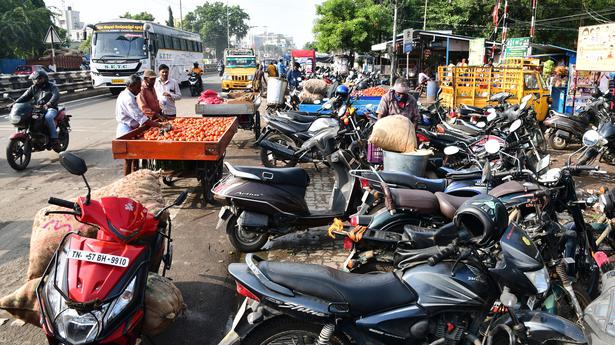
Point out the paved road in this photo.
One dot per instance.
(201, 253)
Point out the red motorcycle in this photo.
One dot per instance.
(92, 291)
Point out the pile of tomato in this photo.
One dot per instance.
(190, 129)
(372, 91)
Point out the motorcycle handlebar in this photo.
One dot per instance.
(583, 168)
(445, 253)
(61, 203)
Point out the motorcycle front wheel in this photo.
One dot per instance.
(289, 331)
(242, 240)
(64, 139)
(18, 153)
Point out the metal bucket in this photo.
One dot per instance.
(432, 90)
(413, 163)
(276, 88)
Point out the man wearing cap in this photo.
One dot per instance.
(167, 91)
(147, 99)
(399, 101)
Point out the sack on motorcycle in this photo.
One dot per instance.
(394, 133)
(47, 231)
(308, 97)
(316, 86)
(20, 115)
(163, 304)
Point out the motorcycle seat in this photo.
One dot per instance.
(289, 126)
(406, 180)
(469, 109)
(422, 201)
(428, 237)
(464, 175)
(449, 203)
(283, 176)
(299, 117)
(363, 293)
(513, 187)
(500, 97)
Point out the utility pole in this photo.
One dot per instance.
(181, 16)
(393, 56)
(228, 28)
(425, 17)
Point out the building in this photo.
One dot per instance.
(69, 20)
(271, 45)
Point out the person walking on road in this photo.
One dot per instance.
(220, 68)
(45, 94)
(167, 91)
(281, 68)
(272, 70)
(258, 80)
(399, 101)
(147, 99)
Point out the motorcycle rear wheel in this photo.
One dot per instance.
(557, 143)
(289, 331)
(18, 153)
(269, 158)
(242, 240)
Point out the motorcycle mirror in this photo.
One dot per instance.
(515, 125)
(451, 150)
(73, 163)
(492, 146)
(341, 111)
(5, 95)
(481, 125)
(327, 106)
(591, 138)
(543, 163)
(316, 101)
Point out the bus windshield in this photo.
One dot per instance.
(119, 44)
(241, 61)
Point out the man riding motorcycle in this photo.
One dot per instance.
(199, 72)
(46, 94)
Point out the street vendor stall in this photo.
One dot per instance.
(246, 111)
(183, 147)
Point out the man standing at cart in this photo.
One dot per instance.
(167, 91)
(147, 99)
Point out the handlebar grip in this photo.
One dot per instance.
(444, 254)
(61, 203)
(585, 168)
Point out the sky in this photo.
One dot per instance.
(289, 17)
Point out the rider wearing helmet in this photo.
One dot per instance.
(45, 94)
(199, 72)
(399, 101)
(342, 91)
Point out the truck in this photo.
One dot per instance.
(239, 68)
(474, 85)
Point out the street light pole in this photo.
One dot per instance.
(181, 16)
(425, 17)
(228, 29)
(393, 56)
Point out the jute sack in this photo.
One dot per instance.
(308, 97)
(47, 231)
(394, 133)
(317, 86)
(22, 303)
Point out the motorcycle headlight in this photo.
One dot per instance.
(597, 313)
(540, 279)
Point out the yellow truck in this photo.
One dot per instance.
(475, 85)
(239, 68)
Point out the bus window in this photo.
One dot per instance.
(121, 44)
(531, 81)
(176, 44)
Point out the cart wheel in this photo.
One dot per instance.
(257, 125)
(168, 180)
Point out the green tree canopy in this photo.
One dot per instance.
(138, 16)
(170, 21)
(210, 21)
(310, 45)
(350, 24)
(23, 25)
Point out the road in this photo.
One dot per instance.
(201, 253)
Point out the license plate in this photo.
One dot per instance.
(117, 81)
(99, 258)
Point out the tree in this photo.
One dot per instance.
(139, 16)
(310, 46)
(23, 25)
(170, 21)
(86, 46)
(210, 21)
(350, 25)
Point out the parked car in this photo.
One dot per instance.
(28, 69)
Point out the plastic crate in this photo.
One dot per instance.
(374, 154)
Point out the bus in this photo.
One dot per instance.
(124, 47)
(239, 68)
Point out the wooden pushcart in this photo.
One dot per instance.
(248, 116)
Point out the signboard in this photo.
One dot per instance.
(122, 27)
(407, 44)
(477, 52)
(52, 36)
(517, 47)
(595, 51)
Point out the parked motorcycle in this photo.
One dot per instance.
(599, 144)
(196, 87)
(448, 297)
(92, 291)
(32, 134)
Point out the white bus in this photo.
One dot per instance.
(124, 47)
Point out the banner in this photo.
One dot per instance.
(122, 27)
(596, 48)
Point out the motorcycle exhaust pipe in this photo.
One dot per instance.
(278, 149)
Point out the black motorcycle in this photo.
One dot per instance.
(196, 86)
(32, 134)
(599, 144)
(478, 290)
